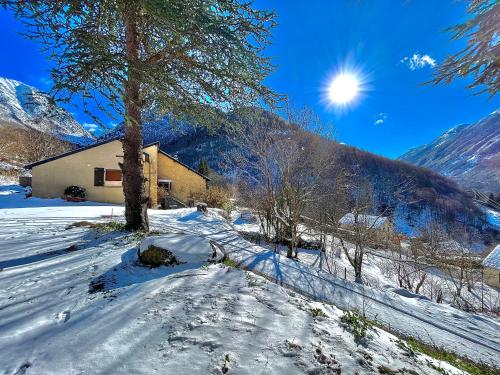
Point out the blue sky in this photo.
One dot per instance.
(316, 39)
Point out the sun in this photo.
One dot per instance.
(343, 89)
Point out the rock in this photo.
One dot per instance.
(178, 248)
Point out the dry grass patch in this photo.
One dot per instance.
(155, 256)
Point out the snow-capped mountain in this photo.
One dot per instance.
(24, 106)
(469, 154)
(163, 130)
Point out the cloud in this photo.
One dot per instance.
(45, 81)
(91, 127)
(418, 61)
(380, 118)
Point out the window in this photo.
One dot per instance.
(113, 177)
(166, 184)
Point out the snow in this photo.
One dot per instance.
(438, 324)
(493, 217)
(186, 248)
(76, 301)
(26, 106)
(493, 258)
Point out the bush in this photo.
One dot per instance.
(109, 226)
(228, 262)
(217, 197)
(75, 191)
(357, 323)
(317, 312)
(162, 193)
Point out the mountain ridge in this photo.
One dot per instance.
(432, 194)
(467, 153)
(26, 107)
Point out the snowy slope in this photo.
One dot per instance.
(24, 106)
(37, 257)
(75, 301)
(470, 154)
(437, 324)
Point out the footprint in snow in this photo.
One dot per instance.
(63, 316)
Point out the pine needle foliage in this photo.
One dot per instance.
(481, 56)
(194, 55)
(192, 60)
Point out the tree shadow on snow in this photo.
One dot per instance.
(89, 239)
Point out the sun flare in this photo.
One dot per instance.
(343, 89)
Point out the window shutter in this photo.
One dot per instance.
(113, 175)
(98, 176)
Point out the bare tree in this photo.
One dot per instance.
(36, 145)
(450, 251)
(8, 144)
(283, 163)
(410, 265)
(361, 227)
(27, 145)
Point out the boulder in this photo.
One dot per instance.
(178, 248)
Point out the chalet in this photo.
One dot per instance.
(369, 221)
(96, 168)
(492, 268)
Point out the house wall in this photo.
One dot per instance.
(151, 174)
(50, 179)
(491, 277)
(185, 183)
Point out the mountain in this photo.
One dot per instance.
(162, 130)
(25, 107)
(430, 197)
(469, 154)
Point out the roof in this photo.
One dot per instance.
(493, 258)
(369, 220)
(29, 166)
(184, 165)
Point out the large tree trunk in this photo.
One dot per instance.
(133, 174)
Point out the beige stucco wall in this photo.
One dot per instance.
(185, 183)
(151, 174)
(51, 178)
(491, 277)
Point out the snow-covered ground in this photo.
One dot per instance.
(73, 301)
(493, 217)
(379, 270)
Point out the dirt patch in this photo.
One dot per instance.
(80, 224)
(97, 285)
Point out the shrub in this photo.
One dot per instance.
(156, 256)
(162, 193)
(109, 226)
(317, 312)
(217, 197)
(75, 191)
(228, 262)
(357, 323)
